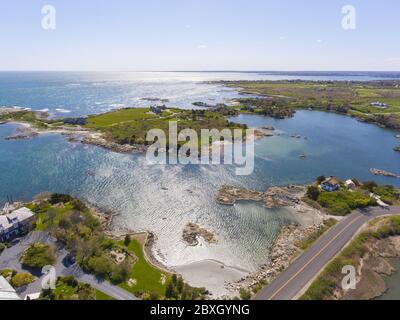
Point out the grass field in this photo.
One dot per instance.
(148, 278)
(130, 126)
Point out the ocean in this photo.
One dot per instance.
(163, 199)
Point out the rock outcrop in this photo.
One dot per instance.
(229, 195)
(23, 134)
(378, 172)
(192, 232)
(274, 197)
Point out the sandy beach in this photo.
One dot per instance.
(213, 275)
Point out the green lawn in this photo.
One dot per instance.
(102, 296)
(119, 116)
(148, 278)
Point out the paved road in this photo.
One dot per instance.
(296, 277)
(9, 259)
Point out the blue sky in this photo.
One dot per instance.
(199, 35)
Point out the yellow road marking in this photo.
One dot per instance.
(313, 258)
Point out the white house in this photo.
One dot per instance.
(379, 105)
(350, 185)
(7, 292)
(15, 223)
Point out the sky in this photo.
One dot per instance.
(178, 35)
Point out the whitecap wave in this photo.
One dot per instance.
(61, 110)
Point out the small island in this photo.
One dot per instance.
(192, 232)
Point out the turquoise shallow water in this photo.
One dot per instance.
(126, 184)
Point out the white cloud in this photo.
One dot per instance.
(319, 41)
(202, 46)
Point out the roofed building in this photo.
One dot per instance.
(7, 292)
(16, 223)
(331, 184)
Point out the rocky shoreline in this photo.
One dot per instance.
(286, 245)
(284, 251)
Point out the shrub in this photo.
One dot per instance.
(313, 193)
(21, 279)
(2, 247)
(60, 198)
(244, 294)
(342, 202)
(38, 255)
(369, 185)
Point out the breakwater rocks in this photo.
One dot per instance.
(274, 197)
(192, 232)
(378, 172)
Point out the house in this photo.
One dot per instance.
(7, 292)
(75, 121)
(379, 105)
(350, 185)
(331, 184)
(15, 223)
(158, 109)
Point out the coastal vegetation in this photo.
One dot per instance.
(38, 255)
(342, 201)
(130, 126)
(305, 243)
(67, 288)
(353, 98)
(17, 279)
(122, 262)
(360, 252)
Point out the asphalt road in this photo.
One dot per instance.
(9, 259)
(304, 269)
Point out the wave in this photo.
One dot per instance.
(61, 110)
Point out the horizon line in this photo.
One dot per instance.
(211, 70)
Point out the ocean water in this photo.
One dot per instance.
(67, 94)
(163, 199)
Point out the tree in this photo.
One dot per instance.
(127, 240)
(369, 185)
(101, 266)
(320, 179)
(313, 193)
(169, 291)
